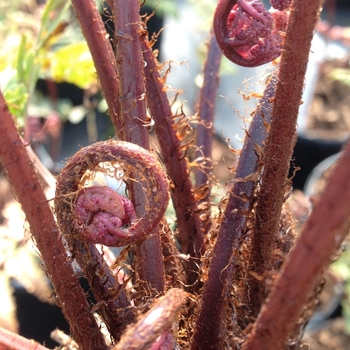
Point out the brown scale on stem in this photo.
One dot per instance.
(279, 148)
(129, 67)
(205, 129)
(185, 205)
(232, 230)
(182, 193)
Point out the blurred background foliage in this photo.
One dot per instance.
(40, 41)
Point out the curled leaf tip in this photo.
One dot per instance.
(98, 213)
(246, 32)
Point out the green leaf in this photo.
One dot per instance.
(55, 11)
(163, 7)
(73, 64)
(28, 65)
(21, 58)
(341, 74)
(15, 92)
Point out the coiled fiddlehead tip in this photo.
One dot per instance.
(246, 33)
(98, 213)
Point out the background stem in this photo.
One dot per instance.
(13, 341)
(280, 144)
(210, 323)
(326, 228)
(128, 34)
(102, 54)
(182, 194)
(205, 127)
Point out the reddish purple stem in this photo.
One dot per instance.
(316, 246)
(130, 71)
(279, 146)
(128, 36)
(12, 341)
(182, 194)
(205, 129)
(28, 190)
(210, 321)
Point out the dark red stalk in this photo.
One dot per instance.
(102, 55)
(9, 340)
(210, 322)
(128, 34)
(326, 228)
(150, 263)
(205, 128)
(106, 67)
(71, 297)
(182, 194)
(113, 303)
(280, 143)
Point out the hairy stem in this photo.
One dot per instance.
(326, 228)
(188, 222)
(26, 185)
(112, 302)
(205, 129)
(128, 33)
(182, 194)
(130, 70)
(280, 143)
(116, 312)
(103, 57)
(212, 314)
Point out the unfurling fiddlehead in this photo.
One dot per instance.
(159, 320)
(98, 213)
(247, 33)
